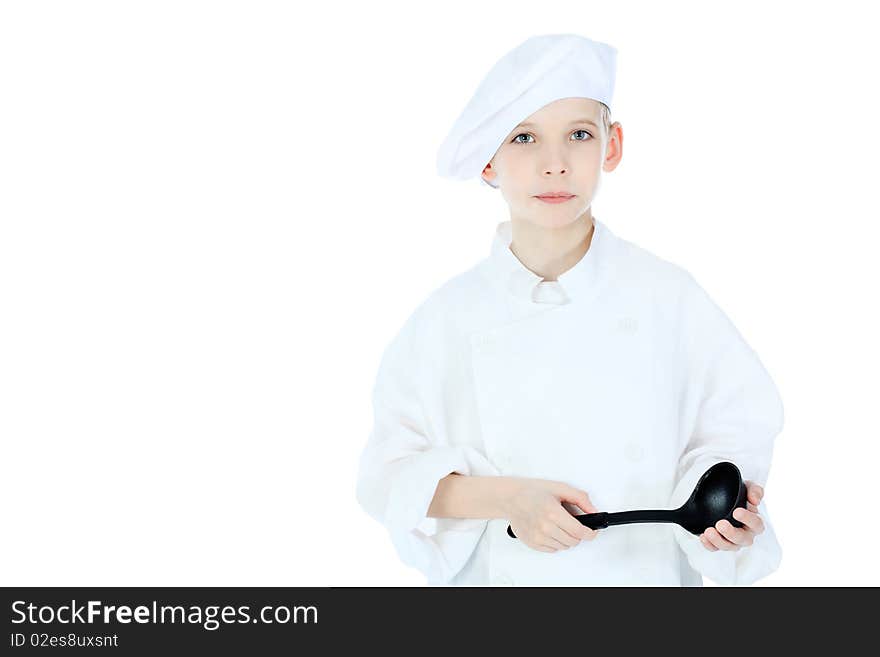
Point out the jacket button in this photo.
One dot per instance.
(502, 580)
(628, 325)
(634, 451)
(483, 342)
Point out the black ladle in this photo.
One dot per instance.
(718, 492)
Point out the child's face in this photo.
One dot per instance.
(555, 153)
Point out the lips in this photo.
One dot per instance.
(554, 199)
(555, 195)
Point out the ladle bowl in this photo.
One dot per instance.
(717, 494)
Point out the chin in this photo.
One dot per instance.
(555, 216)
(557, 221)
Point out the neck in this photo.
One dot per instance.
(551, 251)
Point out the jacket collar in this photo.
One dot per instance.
(577, 283)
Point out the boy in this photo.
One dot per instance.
(569, 372)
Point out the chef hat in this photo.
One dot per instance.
(538, 71)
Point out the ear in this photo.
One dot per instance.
(613, 147)
(488, 173)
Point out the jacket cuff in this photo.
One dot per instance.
(438, 547)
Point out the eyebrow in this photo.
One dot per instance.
(531, 125)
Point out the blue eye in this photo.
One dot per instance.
(515, 140)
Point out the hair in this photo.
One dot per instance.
(605, 116)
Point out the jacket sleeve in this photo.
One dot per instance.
(731, 411)
(404, 460)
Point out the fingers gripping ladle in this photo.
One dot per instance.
(718, 492)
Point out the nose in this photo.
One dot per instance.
(556, 163)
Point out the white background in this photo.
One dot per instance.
(215, 215)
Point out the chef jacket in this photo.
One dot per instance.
(622, 378)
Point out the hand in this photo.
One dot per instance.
(540, 520)
(724, 536)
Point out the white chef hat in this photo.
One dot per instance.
(538, 71)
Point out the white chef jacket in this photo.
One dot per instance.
(622, 378)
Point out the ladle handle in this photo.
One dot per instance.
(605, 519)
(643, 515)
